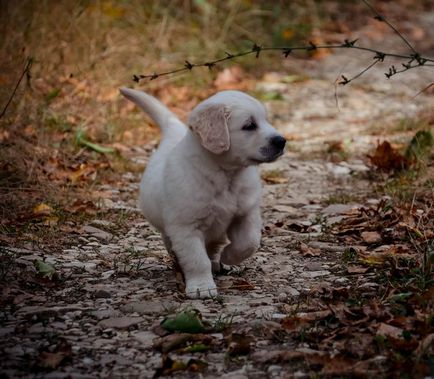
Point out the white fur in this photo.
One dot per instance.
(201, 188)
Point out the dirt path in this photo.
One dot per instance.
(115, 288)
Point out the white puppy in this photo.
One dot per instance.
(201, 188)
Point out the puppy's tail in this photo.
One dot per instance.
(169, 124)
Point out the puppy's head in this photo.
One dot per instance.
(233, 126)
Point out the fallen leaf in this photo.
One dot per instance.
(170, 366)
(82, 141)
(238, 344)
(81, 173)
(187, 321)
(357, 269)
(314, 316)
(424, 345)
(389, 331)
(387, 158)
(45, 269)
(52, 360)
(274, 177)
(309, 251)
(42, 209)
(196, 348)
(242, 284)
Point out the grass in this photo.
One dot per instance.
(342, 197)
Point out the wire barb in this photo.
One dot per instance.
(286, 52)
(256, 49)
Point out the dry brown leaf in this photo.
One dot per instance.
(308, 251)
(238, 344)
(242, 284)
(314, 316)
(52, 360)
(424, 345)
(387, 158)
(274, 177)
(357, 269)
(389, 331)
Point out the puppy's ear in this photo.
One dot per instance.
(210, 123)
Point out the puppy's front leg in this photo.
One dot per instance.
(245, 236)
(195, 264)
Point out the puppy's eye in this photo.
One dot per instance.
(250, 126)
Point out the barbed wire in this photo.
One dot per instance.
(411, 60)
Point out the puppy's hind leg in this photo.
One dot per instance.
(245, 236)
(214, 250)
(190, 250)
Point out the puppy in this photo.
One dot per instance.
(201, 188)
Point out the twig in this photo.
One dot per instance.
(425, 89)
(346, 81)
(381, 18)
(26, 71)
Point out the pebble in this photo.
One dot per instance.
(315, 274)
(120, 322)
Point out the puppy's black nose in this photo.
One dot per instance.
(278, 142)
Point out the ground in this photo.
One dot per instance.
(321, 297)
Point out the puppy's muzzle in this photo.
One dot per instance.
(278, 142)
(274, 148)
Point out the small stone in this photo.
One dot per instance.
(292, 291)
(103, 223)
(87, 361)
(371, 237)
(107, 274)
(338, 209)
(120, 322)
(102, 294)
(105, 313)
(97, 233)
(315, 274)
(148, 307)
(274, 369)
(314, 266)
(145, 338)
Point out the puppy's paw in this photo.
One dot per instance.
(200, 289)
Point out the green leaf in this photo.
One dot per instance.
(197, 348)
(186, 321)
(81, 140)
(401, 297)
(45, 269)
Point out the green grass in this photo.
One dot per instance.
(341, 197)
